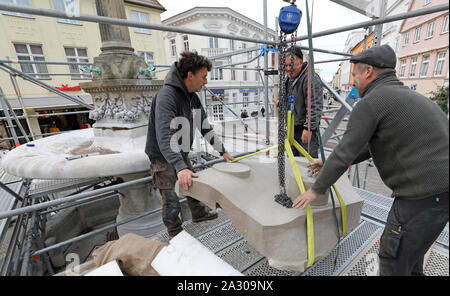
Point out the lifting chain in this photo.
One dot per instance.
(282, 198)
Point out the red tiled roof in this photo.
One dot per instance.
(148, 3)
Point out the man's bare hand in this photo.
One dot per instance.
(185, 178)
(316, 167)
(304, 199)
(227, 156)
(306, 136)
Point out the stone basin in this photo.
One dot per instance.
(107, 156)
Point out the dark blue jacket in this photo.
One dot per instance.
(167, 138)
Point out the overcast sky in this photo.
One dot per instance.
(326, 15)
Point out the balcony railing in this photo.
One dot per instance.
(211, 52)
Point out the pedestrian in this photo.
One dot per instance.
(407, 136)
(263, 110)
(177, 99)
(297, 86)
(244, 114)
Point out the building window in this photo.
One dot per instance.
(142, 18)
(250, 55)
(218, 112)
(403, 68)
(445, 26)
(412, 72)
(186, 42)
(67, 6)
(244, 74)
(77, 55)
(425, 64)
(217, 73)
(148, 57)
(173, 47)
(430, 30)
(213, 42)
(233, 73)
(244, 45)
(17, 2)
(440, 64)
(417, 36)
(406, 38)
(256, 76)
(232, 44)
(245, 100)
(29, 52)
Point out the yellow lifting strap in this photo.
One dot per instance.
(309, 217)
(309, 157)
(290, 141)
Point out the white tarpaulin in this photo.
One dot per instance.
(370, 8)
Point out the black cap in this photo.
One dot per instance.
(297, 51)
(380, 57)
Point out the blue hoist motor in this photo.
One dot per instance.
(289, 18)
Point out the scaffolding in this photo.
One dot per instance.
(25, 209)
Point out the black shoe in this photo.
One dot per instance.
(208, 216)
(174, 232)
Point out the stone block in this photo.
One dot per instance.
(276, 232)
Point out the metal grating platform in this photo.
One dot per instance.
(6, 199)
(7, 178)
(346, 251)
(436, 265)
(39, 188)
(241, 255)
(356, 252)
(377, 207)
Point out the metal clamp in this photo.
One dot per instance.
(149, 69)
(263, 49)
(90, 69)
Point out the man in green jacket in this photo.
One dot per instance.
(407, 136)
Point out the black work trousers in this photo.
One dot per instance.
(164, 178)
(411, 228)
(313, 146)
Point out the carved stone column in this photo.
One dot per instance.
(122, 106)
(117, 60)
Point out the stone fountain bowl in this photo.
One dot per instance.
(64, 156)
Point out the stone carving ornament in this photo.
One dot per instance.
(115, 108)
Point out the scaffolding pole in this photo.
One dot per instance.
(27, 77)
(124, 22)
(72, 198)
(20, 99)
(48, 114)
(388, 19)
(8, 118)
(266, 78)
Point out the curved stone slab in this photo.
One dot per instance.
(235, 169)
(276, 232)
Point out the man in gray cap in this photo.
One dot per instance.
(407, 136)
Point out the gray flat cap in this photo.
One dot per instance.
(381, 57)
(297, 51)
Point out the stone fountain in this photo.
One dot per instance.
(115, 145)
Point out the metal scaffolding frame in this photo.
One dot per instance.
(34, 209)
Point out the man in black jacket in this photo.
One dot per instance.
(176, 113)
(407, 136)
(297, 86)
